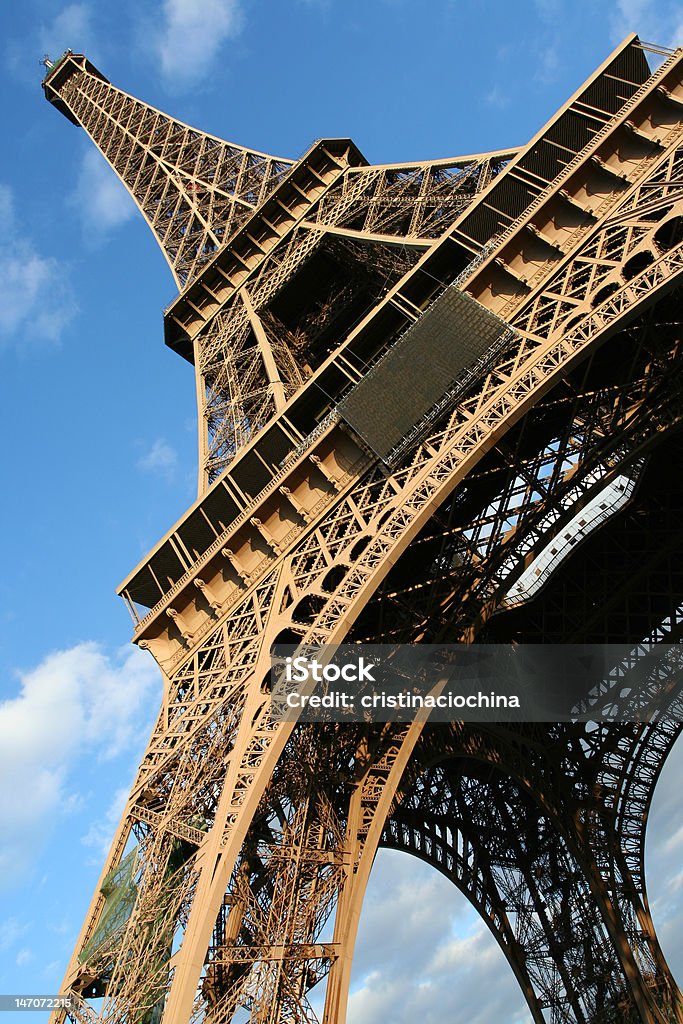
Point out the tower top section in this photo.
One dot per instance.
(195, 190)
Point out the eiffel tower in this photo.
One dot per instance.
(438, 402)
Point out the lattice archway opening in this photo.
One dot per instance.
(664, 860)
(530, 869)
(423, 953)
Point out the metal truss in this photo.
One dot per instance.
(193, 189)
(363, 233)
(235, 881)
(196, 191)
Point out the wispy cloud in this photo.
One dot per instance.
(663, 860)
(101, 832)
(190, 36)
(78, 703)
(161, 459)
(655, 21)
(102, 201)
(71, 28)
(548, 64)
(426, 955)
(24, 957)
(497, 97)
(11, 930)
(549, 10)
(36, 300)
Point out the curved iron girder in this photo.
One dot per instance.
(601, 423)
(480, 828)
(594, 785)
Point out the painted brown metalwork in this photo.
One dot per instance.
(529, 500)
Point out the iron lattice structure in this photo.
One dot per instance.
(532, 490)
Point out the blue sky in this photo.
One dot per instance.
(98, 417)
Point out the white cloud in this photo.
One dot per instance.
(161, 458)
(549, 10)
(24, 957)
(76, 704)
(10, 932)
(71, 28)
(101, 832)
(423, 954)
(497, 97)
(36, 300)
(101, 199)
(663, 861)
(655, 21)
(547, 64)
(59, 27)
(190, 36)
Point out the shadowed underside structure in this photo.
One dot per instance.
(438, 402)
